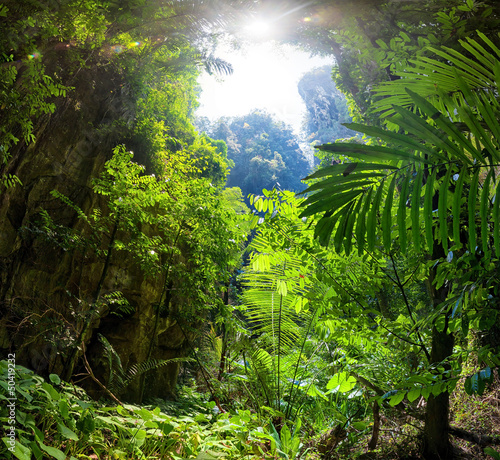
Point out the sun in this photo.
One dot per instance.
(258, 28)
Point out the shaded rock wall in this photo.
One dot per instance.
(43, 288)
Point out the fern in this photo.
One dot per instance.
(118, 378)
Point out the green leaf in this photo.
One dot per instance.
(417, 126)
(52, 451)
(492, 453)
(413, 394)
(415, 208)
(429, 195)
(472, 211)
(387, 215)
(354, 215)
(390, 136)
(340, 169)
(360, 426)
(364, 151)
(335, 202)
(484, 212)
(443, 123)
(341, 382)
(21, 452)
(371, 223)
(361, 221)
(66, 432)
(457, 201)
(51, 391)
(402, 211)
(63, 408)
(397, 398)
(496, 220)
(443, 209)
(54, 378)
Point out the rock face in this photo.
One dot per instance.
(326, 107)
(44, 287)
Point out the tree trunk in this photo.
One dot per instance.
(436, 431)
(436, 437)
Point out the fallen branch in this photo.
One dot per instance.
(482, 440)
(96, 380)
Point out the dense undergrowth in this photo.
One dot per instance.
(58, 420)
(54, 419)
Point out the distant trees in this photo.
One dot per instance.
(265, 153)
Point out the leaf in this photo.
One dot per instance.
(443, 209)
(413, 394)
(397, 398)
(361, 221)
(483, 213)
(372, 218)
(52, 451)
(339, 169)
(63, 408)
(457, 201)
(496, 219)
(492, 453)
(54, 378)
(329, 203)
(66, 432)
(364, 151)
(443, 123)
(341, 382)
(350, 225)
(21, 452)
(350, 168)
(402, 212)
(51, 391)
(429, 195)
(387, 214)
(360, 426)
(390, 136)
(472, 211)
(415, 208)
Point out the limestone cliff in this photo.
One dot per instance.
(326, 107)
(45, 291)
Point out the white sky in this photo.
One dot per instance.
(265, 77)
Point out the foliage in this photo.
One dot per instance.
(264, 152)
(438, 161)
(57, 420)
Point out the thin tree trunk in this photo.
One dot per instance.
(74, 353)
(376, 426)
(223, 354)
(436, 430)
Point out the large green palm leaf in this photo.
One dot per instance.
(430, 176)
(434, 77)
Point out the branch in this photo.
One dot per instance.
(471, 436)
(96, 380)
(407, 303)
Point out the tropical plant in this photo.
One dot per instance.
(430, 183)
(59, 421)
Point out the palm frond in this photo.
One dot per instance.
(432, 177)
(434, 77)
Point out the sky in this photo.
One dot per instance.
(265, 77)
